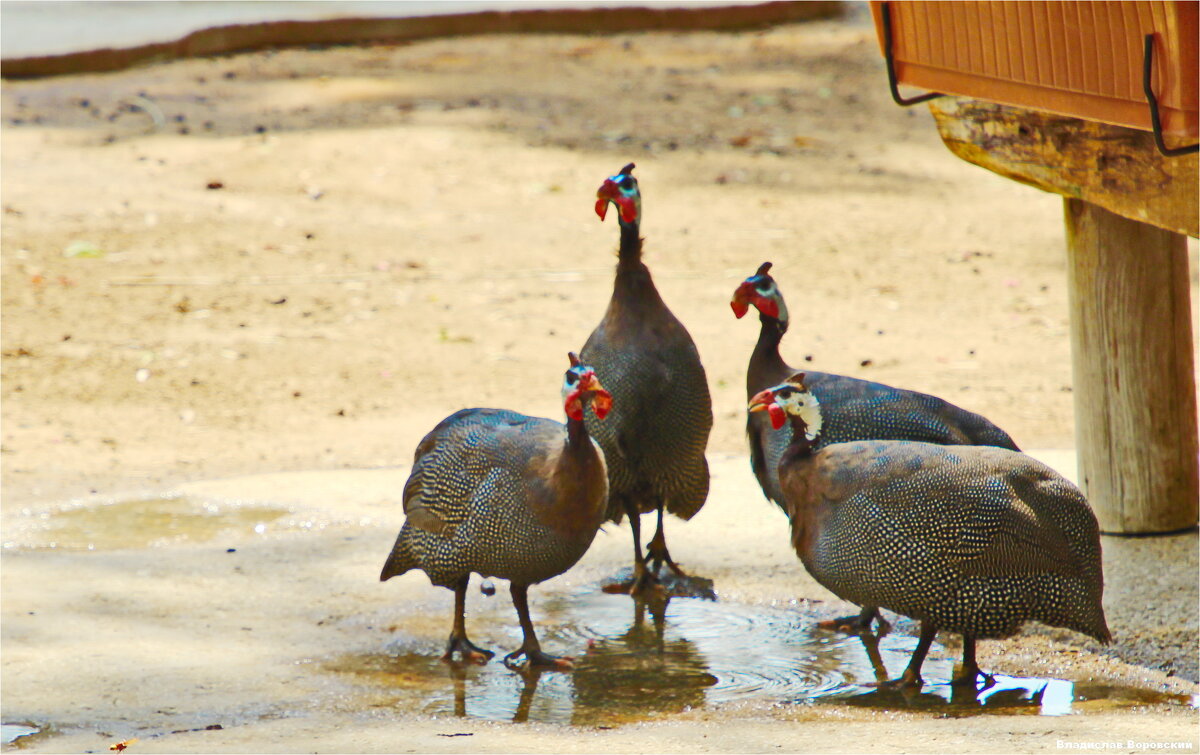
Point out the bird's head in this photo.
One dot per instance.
(581, 385)
(790, 398)
(621, 190)
(761, 291)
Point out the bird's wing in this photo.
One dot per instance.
(860, 409)
(1042, 524)
(453, 462)
(960, 507)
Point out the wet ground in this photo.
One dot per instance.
(230, 604)
(698, 654)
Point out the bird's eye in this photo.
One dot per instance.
(628, 182)
(764, 288)
(572, 378)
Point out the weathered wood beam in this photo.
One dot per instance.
(1112, 167)
(1134, 384)
(1127, 208)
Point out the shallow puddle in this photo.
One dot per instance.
(138, 524)
(633, 667)
(10, 733)
(1010, 694)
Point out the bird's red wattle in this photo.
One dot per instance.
(768, 307)
(778, 416)
(601, 403)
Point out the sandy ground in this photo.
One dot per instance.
(298, 262)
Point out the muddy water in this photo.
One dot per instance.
(638, 665)
(137, 524)
(632, 664)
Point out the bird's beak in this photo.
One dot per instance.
(761, 400)
(764, 401)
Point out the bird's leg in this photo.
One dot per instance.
(458, 636)
(641, 577)
(912, 674)
(531, 648)
(970, 669)
(871, 645)
(656, 549)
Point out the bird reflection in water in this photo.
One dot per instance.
(641, 671)
(528, 676)
(962, 699)
(621, 678)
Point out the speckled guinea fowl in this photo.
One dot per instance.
(505, 495)
(654, 441)
(971, 539)
(852, 409)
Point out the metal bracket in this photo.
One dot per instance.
(1155, 120)
(886, 12)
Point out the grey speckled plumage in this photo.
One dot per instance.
(974, 539)
(504, 495)
(473, 499)
(857, 409)
(655, 438)
(852, 409)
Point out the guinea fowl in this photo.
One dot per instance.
(852, 409)
(505, 495)
(971, 539)
(655, 439)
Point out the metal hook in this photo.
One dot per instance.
(886, 12)
(1156, 122)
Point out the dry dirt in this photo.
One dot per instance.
(302, 260)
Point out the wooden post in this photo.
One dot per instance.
(1135, 401)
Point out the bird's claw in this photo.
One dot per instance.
(967, 677)
(906, 681)
(856, 624)
(469, 651)
(539, 661)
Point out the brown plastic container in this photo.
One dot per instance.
(1080, 59)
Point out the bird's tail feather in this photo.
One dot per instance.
(400, 560)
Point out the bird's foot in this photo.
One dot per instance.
(535, 659)
(908, 680)
(626, 581)
(675, 582)
(469, 651)
(657, 555)
(648, 584)
(685, 586)
(857, 624)
(968, 675)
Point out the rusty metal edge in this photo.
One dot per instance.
(240, 38)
